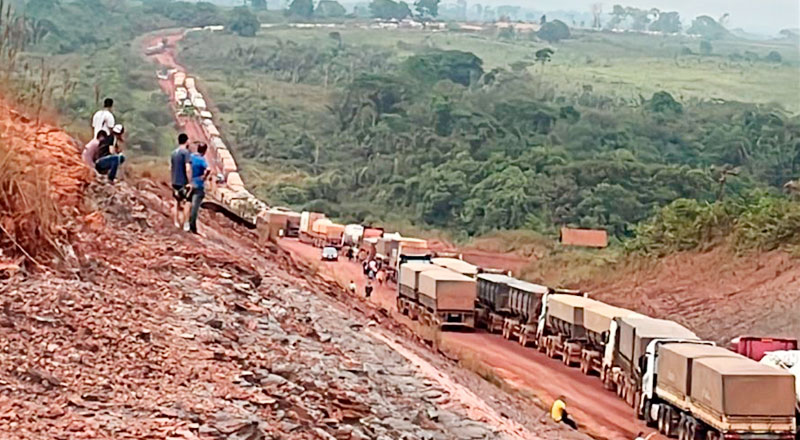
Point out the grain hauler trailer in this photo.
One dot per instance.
(561, 331)
(493, 300)
(597, 321)
(525, 305)
(715, 397)
(326, 233)
(408, 287)
(397, 250)
(447, 299)
(628, 339)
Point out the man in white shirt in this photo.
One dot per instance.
(104, 119)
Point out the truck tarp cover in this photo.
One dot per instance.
(637, 332)
(457, 265)
(598, 317)
(409, 273)
(568, 308)
(675, 364)
(450, 290)
(742, 387)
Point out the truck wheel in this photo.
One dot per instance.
(682, 430)
(660, 422)
(637, 405)
(669, 423)
(647, 409)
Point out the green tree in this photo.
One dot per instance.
(705, 47)
(663, 102)
(774, 57)
(427, 8)
(454, 65)
(243, 22)
(543, 56)
(330, 9)
(301, 8)
(389, 9)
(708, 28)
(553, 31)
(667, 22)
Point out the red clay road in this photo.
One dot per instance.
(601, 413)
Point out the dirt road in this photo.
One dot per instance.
(601, 413)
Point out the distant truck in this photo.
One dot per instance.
(307, 219)
(494, 303)
(446, 299)
(756, 347)
(326, 233)
(395, 250)
(694, 390)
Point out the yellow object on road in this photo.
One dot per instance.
(557, 410)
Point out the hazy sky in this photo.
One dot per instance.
(764, 16)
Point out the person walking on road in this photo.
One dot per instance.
(558, 412)
(352, 287)
(368, 290)
(199, 174)
(180, 165)
(103, 119)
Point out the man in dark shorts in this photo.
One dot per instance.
(200, 172)
(180, 162)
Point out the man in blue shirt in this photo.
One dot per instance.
(199, 174)
(179, 164)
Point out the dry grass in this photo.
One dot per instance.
(30, 219)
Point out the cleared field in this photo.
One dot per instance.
(621, 65)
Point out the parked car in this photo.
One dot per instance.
(330, 253)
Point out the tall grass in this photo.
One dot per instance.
(29, 218)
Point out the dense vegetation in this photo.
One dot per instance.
(440, 138)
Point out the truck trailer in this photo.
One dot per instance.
(457, 265)
(694, 390)
(628, 338)
(493, 300)
(408, 287)
(447, 298)
(307, 219)
(525, 304)
(597, 320)
(561, 331)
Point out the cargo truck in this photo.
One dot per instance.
(693, 390)
(395, 250)
(493, 300)
(628, 338)
(446, 299)
(408, 287)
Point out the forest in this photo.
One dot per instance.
(467, 133)
(372, 132)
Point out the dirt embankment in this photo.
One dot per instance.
(149, 332)
(717, 294)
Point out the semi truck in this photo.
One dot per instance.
(493, 304)
(446, 299)
(307, 219)
(694, 390)
(395, 250)
(597, 321)
(408, 287)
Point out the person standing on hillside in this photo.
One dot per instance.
(180, 166)
(199, 174)
(103, 119)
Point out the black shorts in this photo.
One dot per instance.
(180, 193)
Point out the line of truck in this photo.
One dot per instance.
(684, 386)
